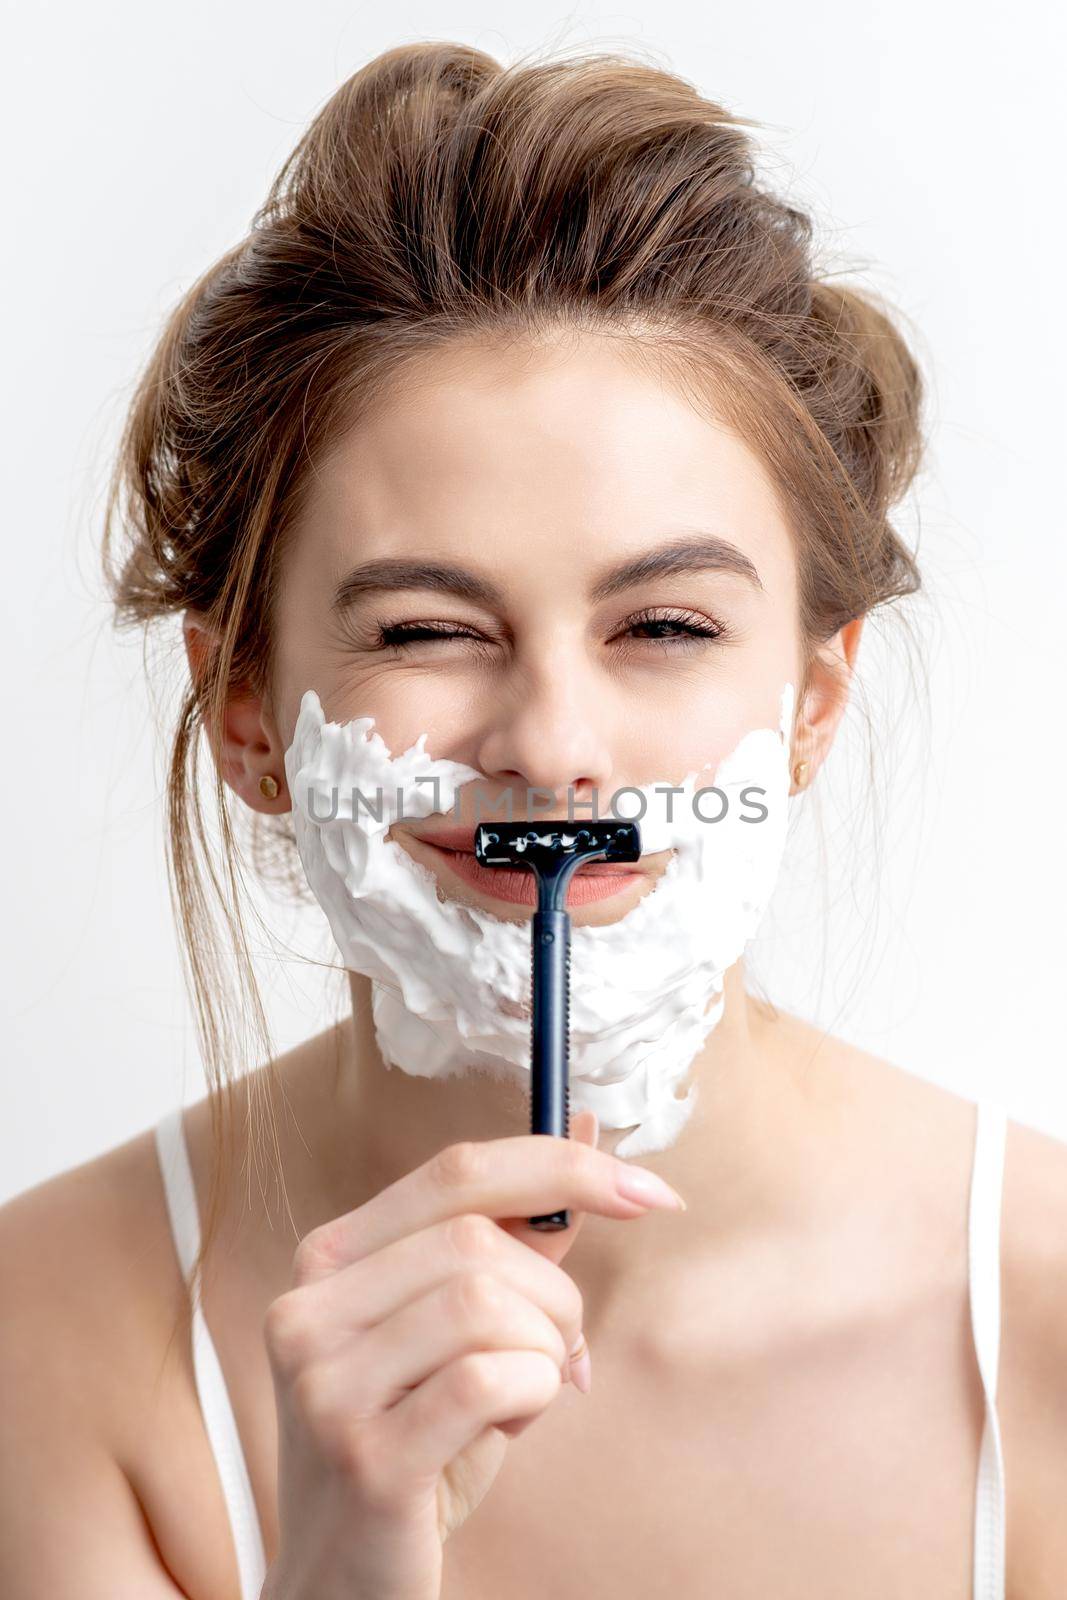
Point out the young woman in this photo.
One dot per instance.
(523, 420)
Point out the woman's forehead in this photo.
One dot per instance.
(578, 454)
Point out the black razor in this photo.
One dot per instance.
(553, 852)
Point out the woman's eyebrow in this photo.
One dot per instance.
(685, 553)
(692, 552)
(397, 573)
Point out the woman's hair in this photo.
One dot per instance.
(441, 197)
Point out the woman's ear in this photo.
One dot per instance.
(250, 749)
(825, 698)
(200, 644)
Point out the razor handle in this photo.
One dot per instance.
(553, 852)
(550, 943)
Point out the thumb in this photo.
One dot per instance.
(585, 1127)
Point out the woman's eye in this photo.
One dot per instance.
(670, 627)
(678, 628)
(403, 633)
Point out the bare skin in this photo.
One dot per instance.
(818, 1384)
(785, 1399)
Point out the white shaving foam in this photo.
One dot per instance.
(451, 982)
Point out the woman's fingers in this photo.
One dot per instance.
(528, 1175)
(369, 1291)
(474, 1312)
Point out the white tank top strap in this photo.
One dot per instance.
(219, 1420)
(984, 1270)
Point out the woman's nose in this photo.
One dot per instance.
(551, 735)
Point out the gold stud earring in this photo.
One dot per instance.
(268, 786)
(800, 774)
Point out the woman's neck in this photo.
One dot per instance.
(748, 1162)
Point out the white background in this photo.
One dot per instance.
(139, 139)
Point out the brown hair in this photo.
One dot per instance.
(440, 196)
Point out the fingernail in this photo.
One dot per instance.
(647, 1188)
(581, 1366)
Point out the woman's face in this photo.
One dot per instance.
(549, 563)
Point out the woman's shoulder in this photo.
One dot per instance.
(93, 1283)
(88, 1215)
(888, 1093)
(99, 1398)
(903, 1114)
(919, 1119)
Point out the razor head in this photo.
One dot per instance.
(546, 847)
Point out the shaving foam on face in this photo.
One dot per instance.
(451, 982)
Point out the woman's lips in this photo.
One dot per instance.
(592, 881)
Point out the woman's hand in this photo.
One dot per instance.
(420, 1334)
